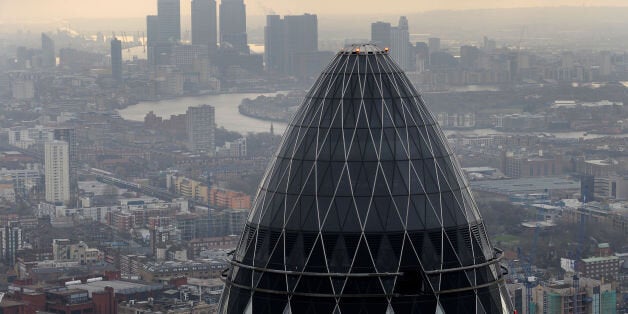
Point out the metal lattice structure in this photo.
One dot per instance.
(364, 209)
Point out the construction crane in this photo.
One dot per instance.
(577, 300)
(527, 261)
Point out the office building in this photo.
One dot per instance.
(469, 57)
(396, 38)
(169, 21)
(287, 40)
(233, 25)
(48, 57)
(152, 30)
(204, 23)
(433, 44)
(274, 44)
(201, 126)
(364, 209)
(116, 59)
(152, 37)
(381, 34)
(187, 57)
(400, 43)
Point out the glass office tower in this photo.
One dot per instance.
(364, 209)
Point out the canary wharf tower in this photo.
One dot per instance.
(364, 208)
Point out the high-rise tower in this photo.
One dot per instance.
(381, 34)
(57, 164)
(274, 51)
(204, 23)
(364, 209)
(400, 43)
(48, 58)
(68, 135)
(201, 128)
(152, 30)
(233, 25)
(116, 59)
(169, 17)
(287, 40)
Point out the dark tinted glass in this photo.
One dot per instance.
(364, 209)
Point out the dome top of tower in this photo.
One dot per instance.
(364, 49)
(364, 208)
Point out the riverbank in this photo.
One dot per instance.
(226, 111)
(278, 108)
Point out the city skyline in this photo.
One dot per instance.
(31, 10)
(240, 156)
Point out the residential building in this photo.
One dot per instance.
(57, 164)
(201, 128)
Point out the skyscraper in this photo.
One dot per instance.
(400, 43)
(233, 25)
(152, 30)
(204, 23)
(287, 39)
(380, 34)
(201, 128)
(57, 163)
(364, 209)
(434, 44)
(169, 19)
(116, 59)
(274, 44)
(48, 58)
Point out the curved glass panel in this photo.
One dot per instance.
(364, 209)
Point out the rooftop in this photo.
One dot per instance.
(599, 259)
(525, 185)
(119, 286)
(600, 162)
(364, 49)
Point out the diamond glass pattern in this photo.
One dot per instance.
(364, 209)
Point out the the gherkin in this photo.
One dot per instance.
(364, 209)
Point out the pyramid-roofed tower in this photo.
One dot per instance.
(364, 208)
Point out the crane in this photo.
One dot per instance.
(581, 233)
(527, 260)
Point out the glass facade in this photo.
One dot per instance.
(364, 209)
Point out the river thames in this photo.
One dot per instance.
(229, 117)
(227, 114)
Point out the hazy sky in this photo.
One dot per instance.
(25, 10)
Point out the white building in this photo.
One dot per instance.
(201, 126)
(57, 164)
(235, 149)
(26, 137)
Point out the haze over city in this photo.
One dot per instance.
(262, 157)
(31, 10)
